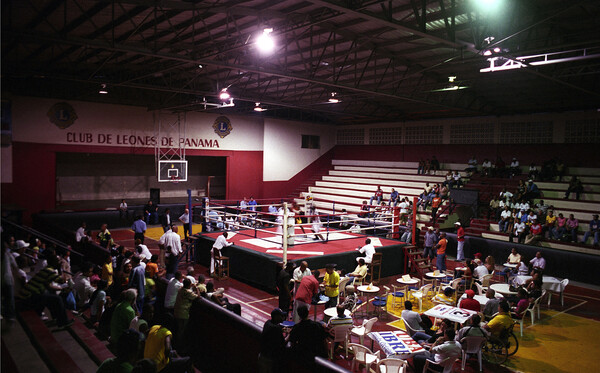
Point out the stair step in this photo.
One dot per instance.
(18, 351)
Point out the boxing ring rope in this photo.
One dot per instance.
(229, 217)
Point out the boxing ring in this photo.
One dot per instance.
(314, 235)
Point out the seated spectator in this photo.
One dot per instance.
(83, 287)
(535, 234)
(533, 191)
(126, 353)
(534, 286)
(522, 304)
(272, 343)
(394, 197)
(444, 347)
(505, 218)
(514, 168)
(501, 321)
(308, 338)
(574, 186)
(538, 263)
(560, 227)
(469, 303)
(486, 167)
(491, 307)
(368, 249)
(500, 167)
(445, 297)
(407, 235)
(158, 348)
(480, 270)
(364, 210)
(572, 225)
(340, 318)
(350, 300)
(594, 230)
(361, 269)
(490, 263)
(549, 225)
(448, 179)
(141, 323)
(378, 196)
(518, 231)
(514, 257)
(421, 167)
(472, 165)
(523, 268)
(533, 171)
(493, 209)
(457, 180)
(472, 329)
(414, 320)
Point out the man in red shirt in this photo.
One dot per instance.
(535, 233)
(460, 239)
(378, 196)
(469, 303)
(308, 288)
(441, 252)
(435, 204)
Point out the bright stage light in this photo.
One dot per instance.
(265, 42)
(487, 6)
(224, 95)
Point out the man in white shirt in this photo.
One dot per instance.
(170, 239)
(514, 257)
(538, 262)
(444, 347)
(518, 231)
(220, 243)
(480, 270)
(504, 219)
(368, 250)
(185, 220)
(82, 286)
(514, 167)
(300, 272)
(123, 210)
(172, 289)
(142, 249)
(80, 233)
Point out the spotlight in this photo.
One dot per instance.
(224, 95)
(265, 42)
(496, 50)
(333, 99)
(257, 107)
(487, 53)
(103, 90)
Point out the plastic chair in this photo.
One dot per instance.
(359, 280)
(340, 334)
(420, 294)
(362, 355)
(364, 329)
(472, 345)
(380, 303)
(485, 281)
(531, 311)
(410, 330)
(342, 287)
(392, 366)
(563, 285)
(479, 288)
(446, 364)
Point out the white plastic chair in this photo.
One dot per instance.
(342, 287)
(531, 311)
(479, 288)
(472, 345)
(362, 355)
(364, 329)
(420, 294)
(446, 364)
(340, 334)
(563, 285)
(392, 366)
(410, 330)
(485, 281)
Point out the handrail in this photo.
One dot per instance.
(41, 236)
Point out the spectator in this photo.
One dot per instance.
(533, 191)
(331, 282)
(80, 234)
(104, 237)
(535, 233)
(522, 304)
(97, 302)
(308, 288)
(435, 165)
(368, 249)
(518, 231)
(361, 269)
(378, 196)
(175, 284)
(137, 281)
(394, 197)
(560, 227)
(460, 242)
(533, 171)
(126, 353)
(457, 182)
(364, 210)
(283, 286)
(122, 315)
(472, 168)
(473, 329)
(480, 271)
(444, 297)
(272, 344)
(139, 228)
(183, 303)
(308, 337)
(441, 252)
(486, 167)
(501, 321)
(500, 170)
(574, 186)
(351, 299)
(572, 225)
(514, 168)
(549, 225)
(185, 220)
(493, 209)
(83, 287)
(435, 204)
(470, 303)
(430, 240)
(300, 272)
(505, 218)
(217, 296)
(491, 307)
(158, 348)
(538, 263)
(444, 347)
(151, 213)
(594, 230)
(421, 167)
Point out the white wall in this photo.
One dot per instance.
(283, 156)
(110, 125)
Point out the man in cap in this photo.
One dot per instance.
(470, 303)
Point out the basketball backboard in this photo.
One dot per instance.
(172, 171)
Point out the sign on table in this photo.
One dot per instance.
(396, 342)
(454, 314)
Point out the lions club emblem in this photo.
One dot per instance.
(222, 126)
(62, 114)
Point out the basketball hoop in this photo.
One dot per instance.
(174, 179)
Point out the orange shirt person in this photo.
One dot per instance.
(441, 252)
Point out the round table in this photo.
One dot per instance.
(510, 265)
(332, 312)
(436, 277)
(503, 289)
(368, 289)
(482, 299)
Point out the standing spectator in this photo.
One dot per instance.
(172, 290)
(183, 302)
(378, 196)
(435, 164)
(331, 281)
(123, 212)
(572, 226)
(308, 288)
(185, 220)
(460, 242)
(594, 230)
(122, 315)
(137, 281)
(435, 204)
(107, 270)
(574, 186)
(283, 287)
(308, 337)
(97, 302)
(166, 220)
(104, 237)
(272, 343)
(151, 213)
(170, 245)
(441, 252)
(139, 228)
(80, 234)
(430, 241)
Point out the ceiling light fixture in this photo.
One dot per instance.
(265, 42)
(224, 95)
(103, 90)
(333, 99)
(257, 107)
